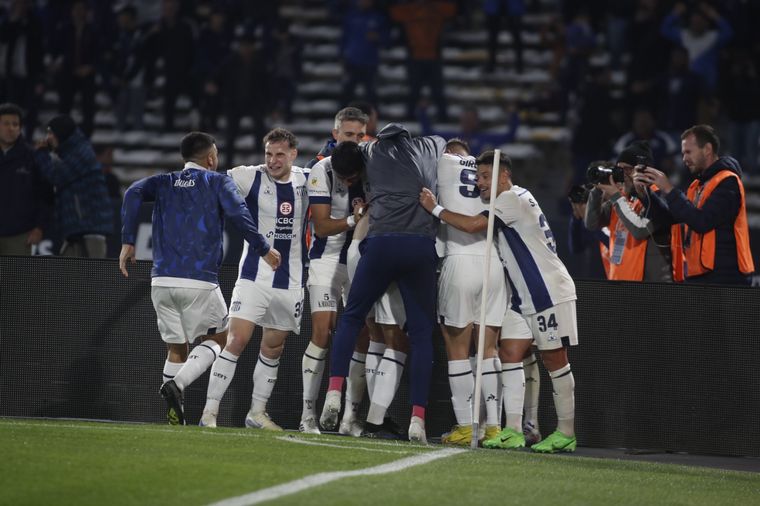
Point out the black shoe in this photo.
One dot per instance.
(390, 425)
(173, 397)
(378, 431)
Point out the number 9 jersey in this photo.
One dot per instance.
(538, 278)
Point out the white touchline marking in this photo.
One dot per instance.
(316, 480)
(291, 439)
(147, 428)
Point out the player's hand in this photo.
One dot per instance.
(653, 176)
(608, 189)
(273, 258)
(359, 212)
(127, 253)
(427, 200)
(34, 237)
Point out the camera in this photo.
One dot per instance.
(578, 194)
(641, 163)
(600, 172)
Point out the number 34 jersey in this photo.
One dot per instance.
(458, 192)
(278, 209)
(538, 278)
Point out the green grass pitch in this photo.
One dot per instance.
(67, 462)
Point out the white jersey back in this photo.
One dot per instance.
(325, 187)
(458, 192)
(538, 278)
(279, 212)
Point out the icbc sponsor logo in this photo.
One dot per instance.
(286, 208)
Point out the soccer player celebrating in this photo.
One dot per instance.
(276, 194)
(336, 204)
(187, 251)
(543, 301)
(459, 293)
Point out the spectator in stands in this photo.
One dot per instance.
(471, 131)
(173, 41)
(128, 69)
(82, 207)
(286, 70)
(661, 144)
(24, 195)
(648, 51)
(21, 78)
(639, 241)
(423, 22)
(513, 11)
(580, 41)
(76, 49)
(700, 41)
(713, 235)
(676, 94)
(740, 96)
(214, 50)
(242, 83)
(365, 31)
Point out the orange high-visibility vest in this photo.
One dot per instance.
(699, 256)
(631, 266)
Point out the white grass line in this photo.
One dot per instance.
(291, 439)
(316, 480)
(143, 428)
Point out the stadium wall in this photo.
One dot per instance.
(660, 367)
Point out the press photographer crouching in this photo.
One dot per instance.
(639, 245)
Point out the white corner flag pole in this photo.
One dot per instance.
(484, 301)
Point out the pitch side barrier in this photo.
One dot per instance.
(660, 367)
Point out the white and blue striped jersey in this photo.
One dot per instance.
(537, 277)
(279, 211)
(325, 187)
(458, 192)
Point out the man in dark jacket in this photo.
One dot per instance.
(23, 205)
(82, 207)
(712, 234)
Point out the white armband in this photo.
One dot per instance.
(437, 210)
(351, 221)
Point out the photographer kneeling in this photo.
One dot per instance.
(639, 231)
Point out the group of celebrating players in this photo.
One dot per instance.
(361, 203)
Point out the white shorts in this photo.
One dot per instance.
(389, 309)
(551, 329)
(184, 314)
(271, 308)
(328, 282)
(460, 288)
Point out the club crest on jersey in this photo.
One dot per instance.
(286, 208)
(314, 181)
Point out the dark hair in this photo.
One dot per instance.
(347, 159)
(280, 135)
(10, 109)
(456, 141)
(486, 158)
(195, 145)
(704, 134)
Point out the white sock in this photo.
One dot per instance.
(513, 381)
(532, 390)
(387, 378)
(481, 404)
(356, 383)
(170, 370)
(564, 399)
(312, 367)
(264, 378)
(222, 372)
(372, 362)
(489, 387)
(200, 359)
(499, 390)
(462, 383)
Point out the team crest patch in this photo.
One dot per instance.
(286, 208)
(314, 181)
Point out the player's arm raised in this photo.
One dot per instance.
(470, 224)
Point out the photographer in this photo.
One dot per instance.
(639, 231)
(582, 241)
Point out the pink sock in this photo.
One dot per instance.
(336, 383)
(418, 411)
